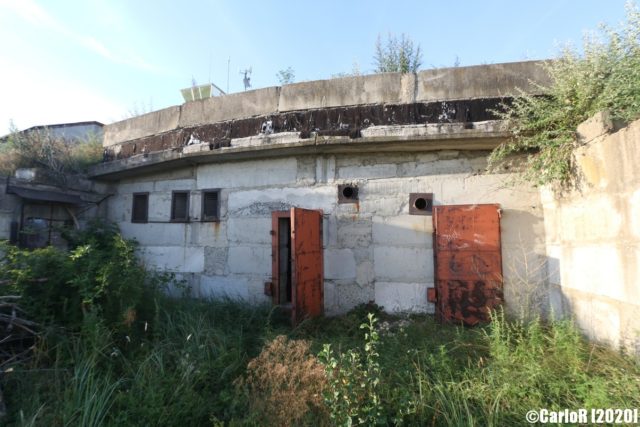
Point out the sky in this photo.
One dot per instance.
(67, 61)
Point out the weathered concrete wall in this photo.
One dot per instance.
(480, 81)
(373, 251)
(238, 105)
(140, 126)
(593, 236)
(444, 84)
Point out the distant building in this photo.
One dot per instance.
(72, 132)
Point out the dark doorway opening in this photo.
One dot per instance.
(284, 261)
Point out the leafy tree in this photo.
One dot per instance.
(397, 55)
(605, 75)
(286, 76)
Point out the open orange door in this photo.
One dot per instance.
(307, 264)
(468, 262)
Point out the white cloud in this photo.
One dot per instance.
(30, 11)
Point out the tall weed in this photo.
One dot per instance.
(604, 75)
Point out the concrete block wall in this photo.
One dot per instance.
(373, 250)
(593, 236)
(444, 84)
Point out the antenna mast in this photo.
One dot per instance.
(247, 78)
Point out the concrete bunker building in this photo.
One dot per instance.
(333, 188)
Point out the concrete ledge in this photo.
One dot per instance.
(481, 81)
(389, 88)
(138, 127)
(481, 136)
(238, 105)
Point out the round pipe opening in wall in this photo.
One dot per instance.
(420, 203)
(348, 192)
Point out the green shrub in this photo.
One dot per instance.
(352, 394)
(41, 149)
(604, 76)
(100, 276)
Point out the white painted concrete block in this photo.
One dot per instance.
(403, 297)
(208, 233)
(250, 260)
(401, 264)
(339, 264)
(256, 290)
(595, 269)
(329, 231)
(522, 227)
(134, 186)
(119, 208)
(590, 219)
(403, 230)
(354, 232)
(325, 169)
(365, 273)
(633, 204)
(367, 172)
(155, 234)
(554, 257)
(218, 287)
(497, 188)
(257, 173)
(340, 297)
(175, 185)
(174, 258)
(451, 166)
(159, 206)
(605, 322)
(249, 230)
(385, 206)
(260, 203)
(396, 187)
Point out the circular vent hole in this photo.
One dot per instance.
(348, 192)
(420, 203)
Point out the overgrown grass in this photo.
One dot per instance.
(186, 371)
(42, 149)
(195, 362)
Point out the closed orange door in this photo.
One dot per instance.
(307, 264)
(468, 262)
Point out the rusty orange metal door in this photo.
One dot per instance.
(468, 262)
(307, 264)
